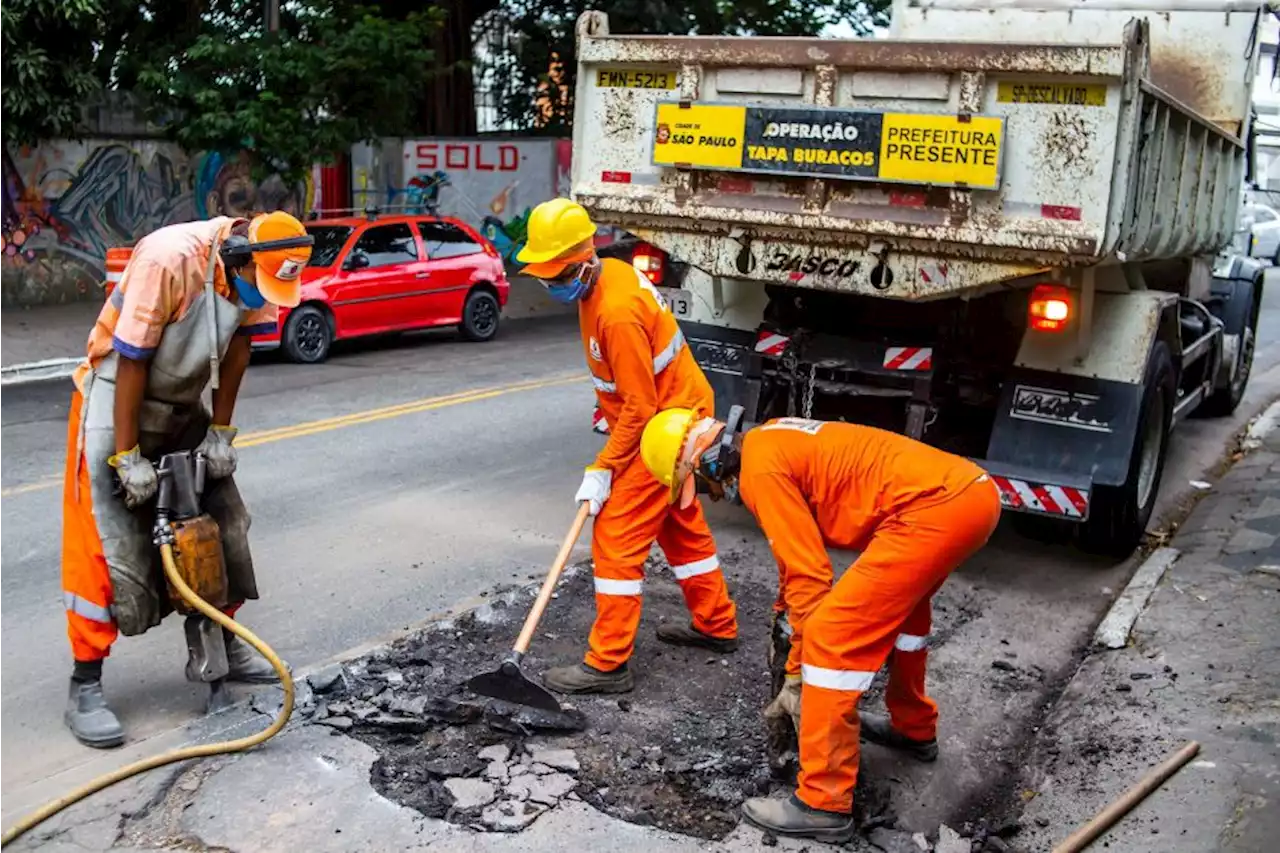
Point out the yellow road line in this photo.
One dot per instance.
(37, 486)
(426, 404)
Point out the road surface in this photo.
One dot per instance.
(387, 485)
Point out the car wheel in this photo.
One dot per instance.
(307, 335)
(480, 316)
(1118, 515)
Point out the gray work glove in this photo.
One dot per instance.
(219, 455)
(136, 474)
(786, 703)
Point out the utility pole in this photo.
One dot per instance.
(271, 15)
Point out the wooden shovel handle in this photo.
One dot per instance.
(549, 585)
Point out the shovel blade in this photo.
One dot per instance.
(513, 687)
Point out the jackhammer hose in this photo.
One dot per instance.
(108, 779)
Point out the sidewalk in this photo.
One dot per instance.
(1202, 664)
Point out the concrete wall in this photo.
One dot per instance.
(67, 202)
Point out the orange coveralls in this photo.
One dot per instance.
(640, 364)
(915, 513)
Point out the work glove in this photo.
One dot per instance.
(220, 456)
(596, 484)
(136, 474)
(786, 703)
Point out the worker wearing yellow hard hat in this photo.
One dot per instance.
(914, 512)
(638, 362)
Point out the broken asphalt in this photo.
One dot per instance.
(387, 752)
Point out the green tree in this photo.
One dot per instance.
(333, 74)
(537, 76)
(48, 66)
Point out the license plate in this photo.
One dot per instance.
(680, 301)
(627, 78)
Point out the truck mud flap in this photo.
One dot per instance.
(1069, 429)
(1054, 494)
(727, 358)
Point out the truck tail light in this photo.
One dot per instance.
(1050, 308)
(648, 260)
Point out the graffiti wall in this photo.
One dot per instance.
(66, 203)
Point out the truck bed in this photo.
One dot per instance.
(968, 163)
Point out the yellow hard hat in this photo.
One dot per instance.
(661, 443)
(555, 228)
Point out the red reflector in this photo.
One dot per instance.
(616, 177)
(1050, 308)
(1057, 211)
(734, 185)
(906, 199)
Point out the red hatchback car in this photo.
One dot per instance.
(390, 274)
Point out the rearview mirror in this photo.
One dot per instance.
(357, 260)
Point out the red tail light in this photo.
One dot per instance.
(1050, 308)
(649, 260)
(488, 249)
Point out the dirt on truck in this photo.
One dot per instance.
(1004, 230)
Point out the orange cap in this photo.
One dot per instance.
(279, 275)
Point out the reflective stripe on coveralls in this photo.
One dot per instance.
(630, 337)
(660, 363)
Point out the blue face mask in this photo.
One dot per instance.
(249, 293)
(570, 291)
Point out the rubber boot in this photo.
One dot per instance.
(90, 720)
(687, 635)
(876, 728)
(581, 678)
(245, 665)
(794, 818)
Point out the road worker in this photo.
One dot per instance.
(639, 363)
(137, 397)
(914, 512)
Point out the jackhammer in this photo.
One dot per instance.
(190, 546)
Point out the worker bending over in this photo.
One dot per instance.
(639, 363)
(138, 397)
(914, 512)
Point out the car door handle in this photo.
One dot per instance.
(420, 275)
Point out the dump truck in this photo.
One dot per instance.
(1003, 230)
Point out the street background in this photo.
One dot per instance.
(412, 474)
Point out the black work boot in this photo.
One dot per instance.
(794, 818)
(687, 635)
(90, 720)
(876, 728)
(581, 678)
(245, 665)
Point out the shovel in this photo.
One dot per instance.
(507, 682)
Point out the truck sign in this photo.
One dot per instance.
(859, 145)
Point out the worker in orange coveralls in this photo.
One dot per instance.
(138, 396)
(914, 512)
(639, 364)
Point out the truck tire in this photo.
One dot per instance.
(1118, 515)
(1241, 318)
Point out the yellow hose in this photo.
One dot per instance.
(108, 779)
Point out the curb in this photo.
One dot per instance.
(1113, 631)
(39, 371)
(1261, 427)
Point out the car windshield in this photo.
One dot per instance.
(329, 242)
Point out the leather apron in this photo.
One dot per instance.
(172, 417)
